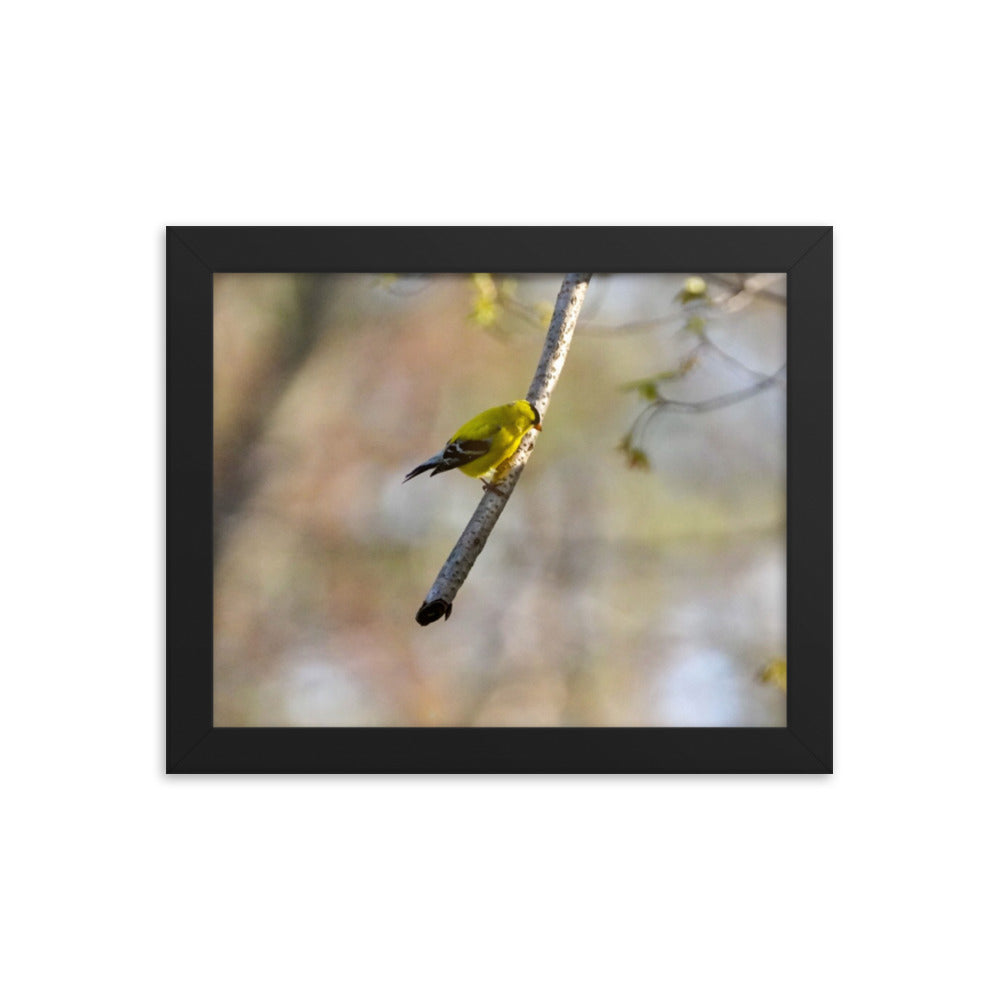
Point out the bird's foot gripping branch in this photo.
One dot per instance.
(500, 439)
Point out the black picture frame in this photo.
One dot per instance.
(194, 745)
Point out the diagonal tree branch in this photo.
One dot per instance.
(440, 597)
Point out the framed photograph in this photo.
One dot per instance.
(438, 501)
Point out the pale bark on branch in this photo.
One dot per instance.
(440, 597)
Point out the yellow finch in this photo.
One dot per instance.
(485, 442)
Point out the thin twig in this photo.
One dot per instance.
(729, 359)
(718, 402)
(741, 283)
(440, 597)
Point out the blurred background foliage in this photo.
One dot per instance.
(637, 575)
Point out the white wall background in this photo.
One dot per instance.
(119, 882)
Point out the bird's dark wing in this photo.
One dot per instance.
(459, 453)
(455, 454)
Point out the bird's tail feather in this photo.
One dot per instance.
(421, 468)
